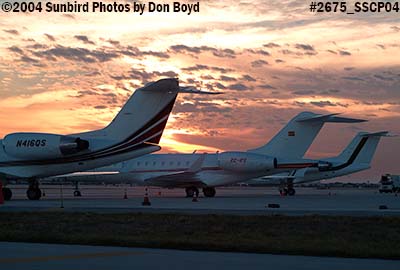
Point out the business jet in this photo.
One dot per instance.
(193, 171)
(135, 131)
(356, 157)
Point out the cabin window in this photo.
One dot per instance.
(179, 163)
(162, 163)
(171, 163)
(154, 163)
(146, 163)
(138, 164)
(187, 163)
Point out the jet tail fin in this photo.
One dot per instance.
(362, 148)
(144, 116)
(295, 138)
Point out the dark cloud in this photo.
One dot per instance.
(200, 107)
(304, 47)
(349, 68)
(266, 86)
(329, 92)
(207, 77)
(219, 86)
(224, 53)
(395, 28)
(258, 63)
(381, 46)
(344, 53)
(238, 87)
(16, 49)
(84, 39)
(83, 93)
(353, 78)
(77, 54)
(169, 74)
(325, 103)
(227, 78)
(331, 51)
(261, 52)
(100, 107)
(69, 16)
(37, 46)
(28, 59)
(11, 31)
(271, 45)
(199, 67)
(279, 61)
(248, 78)
(144, 76)
(50, 37)
(156, 54)
(113, 42)
(93, 74)
(383, 78)
(303, 92)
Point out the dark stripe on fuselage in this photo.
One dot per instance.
(296, 165)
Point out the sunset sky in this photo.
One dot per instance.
(66, 73)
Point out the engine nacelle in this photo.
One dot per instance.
(42, 145)
(245, 162)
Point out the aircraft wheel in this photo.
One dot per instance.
(77, 193)
(209, 191)
(283, 192)
(291, 191)
(7, 194)
(34, 193)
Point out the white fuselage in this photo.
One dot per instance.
(311, 175)
(51, 168)
(147, 169)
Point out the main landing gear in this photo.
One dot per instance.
(77, 192)
(209, 191)
(34, 192)
(190, 191)
(287, 189)
(7, 194)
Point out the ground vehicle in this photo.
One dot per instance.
(389, 183)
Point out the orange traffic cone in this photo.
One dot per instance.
(146, 200)
(1, 193)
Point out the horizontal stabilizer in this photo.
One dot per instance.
(331, 118)
(192, 90)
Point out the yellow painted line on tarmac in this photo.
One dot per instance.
(70, 257)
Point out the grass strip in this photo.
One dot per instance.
(340, 236)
